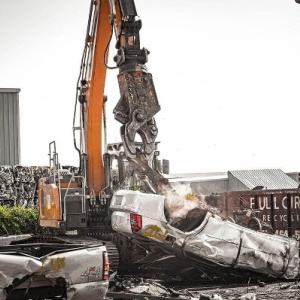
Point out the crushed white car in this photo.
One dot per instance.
(53, 270)
(204, 237)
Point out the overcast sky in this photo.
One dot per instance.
(226, 74)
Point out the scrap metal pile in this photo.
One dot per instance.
(18, 185)
(133, 287)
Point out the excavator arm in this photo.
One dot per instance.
(138, 102)
(91, 84)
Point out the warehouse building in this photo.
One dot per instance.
(240, 180)
(9, 127)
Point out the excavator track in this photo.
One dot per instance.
(113, 256)
(122, 253)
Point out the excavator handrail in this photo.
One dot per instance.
(83, 207)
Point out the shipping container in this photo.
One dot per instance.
(276, 211)
(9, 127)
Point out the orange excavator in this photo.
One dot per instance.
(79, 199)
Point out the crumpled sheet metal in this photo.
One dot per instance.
(83, 277)
(212, 240)
(130, 201)
(229, 244)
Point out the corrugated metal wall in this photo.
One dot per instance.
(294, 175)
(9, 127)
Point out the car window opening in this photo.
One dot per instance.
(190, 221)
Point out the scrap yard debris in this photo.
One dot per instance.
(174, 222)
(140, 288)
(18, 185)
(257, 291)
(132, 287)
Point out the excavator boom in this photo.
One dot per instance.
(93, 88)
